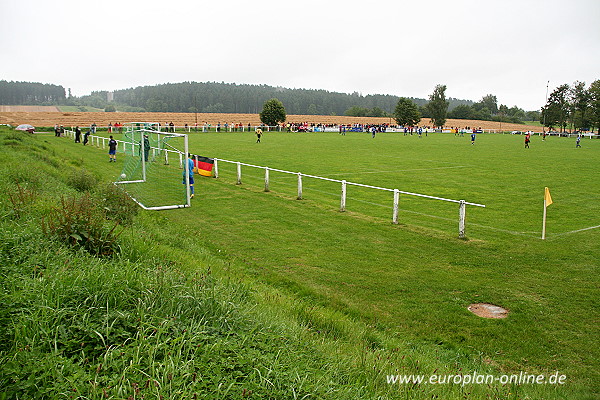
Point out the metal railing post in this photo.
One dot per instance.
(343, 199)
(396, 201)
(461, 219)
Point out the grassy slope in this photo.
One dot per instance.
(410, 283)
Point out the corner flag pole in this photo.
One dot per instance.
(547, 202)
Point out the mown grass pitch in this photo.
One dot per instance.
(497, 171)
(414, 281)
(417, 279)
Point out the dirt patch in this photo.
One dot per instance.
(486, 310)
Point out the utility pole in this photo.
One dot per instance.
(545, 109)
(196, 111)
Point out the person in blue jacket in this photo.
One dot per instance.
(190, 162)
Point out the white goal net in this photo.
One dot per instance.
(153, 172)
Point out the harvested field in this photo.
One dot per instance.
(71, 119)
(4, 109)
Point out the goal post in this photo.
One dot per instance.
(154, 173)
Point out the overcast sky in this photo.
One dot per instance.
(508, 48)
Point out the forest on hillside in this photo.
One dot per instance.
(215, 97)
(31, 94)
(209, 97)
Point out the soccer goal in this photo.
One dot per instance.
(153, 172)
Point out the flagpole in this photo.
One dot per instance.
(544, 222)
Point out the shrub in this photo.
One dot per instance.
(82, 181)
(117, 205)
(81, 223)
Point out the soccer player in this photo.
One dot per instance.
(258, 134)
(578, 142)
(112, 150)
(473, 138)
(190, 162)
(527, 140)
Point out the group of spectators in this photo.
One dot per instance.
(117, 127)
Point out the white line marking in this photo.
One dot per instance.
(577, 230)
(397, 170)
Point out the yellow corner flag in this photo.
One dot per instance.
(547, 197)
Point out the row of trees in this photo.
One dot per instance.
(487, 109)
(31, 93)
(236, 98)
(438, 108)
(407, 113)
(233, 98)
(576, 107)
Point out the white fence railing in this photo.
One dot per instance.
(101, 142)
(461, 209)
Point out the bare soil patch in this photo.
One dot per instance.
(486, 310)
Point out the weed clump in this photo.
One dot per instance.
(117, 205)
(20, 199)
(82, 181)
(80, 222)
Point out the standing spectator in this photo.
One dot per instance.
(77, 135)
(146, 148)
(112, 150)
(190, 163)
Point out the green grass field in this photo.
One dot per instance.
(416, 280)
(406, 287)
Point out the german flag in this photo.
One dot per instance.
(204, 165)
